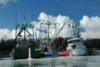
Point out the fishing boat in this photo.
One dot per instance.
(76, 47)
(24, 44)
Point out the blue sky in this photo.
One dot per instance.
(76, 9)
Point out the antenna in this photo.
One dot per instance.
(16, 24)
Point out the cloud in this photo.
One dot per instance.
(5, 2)
(60, 20)
(6, 34)
(91, 25)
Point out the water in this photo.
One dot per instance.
(72, 61)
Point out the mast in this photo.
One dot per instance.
(48, 24)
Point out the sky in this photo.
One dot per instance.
(76, 9)
(82, 12)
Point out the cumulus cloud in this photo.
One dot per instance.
(56, 23)
(5, 2)
(91, 25)
(59, 20)
(6, 34)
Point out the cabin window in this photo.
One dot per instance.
(76, 40)
(69, 41)
(73, 46)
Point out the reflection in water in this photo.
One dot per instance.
(51, 62)
(78, 61)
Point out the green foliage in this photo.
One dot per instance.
(7, 45)
(59, 44)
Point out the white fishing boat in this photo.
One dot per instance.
(76, 47)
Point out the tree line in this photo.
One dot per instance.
(59, 44)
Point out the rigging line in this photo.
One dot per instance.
(52, 41)
(29, 33)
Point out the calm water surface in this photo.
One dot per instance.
(72, 61)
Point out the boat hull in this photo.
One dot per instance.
(78, 52)
(18, 53)
(37, 53)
